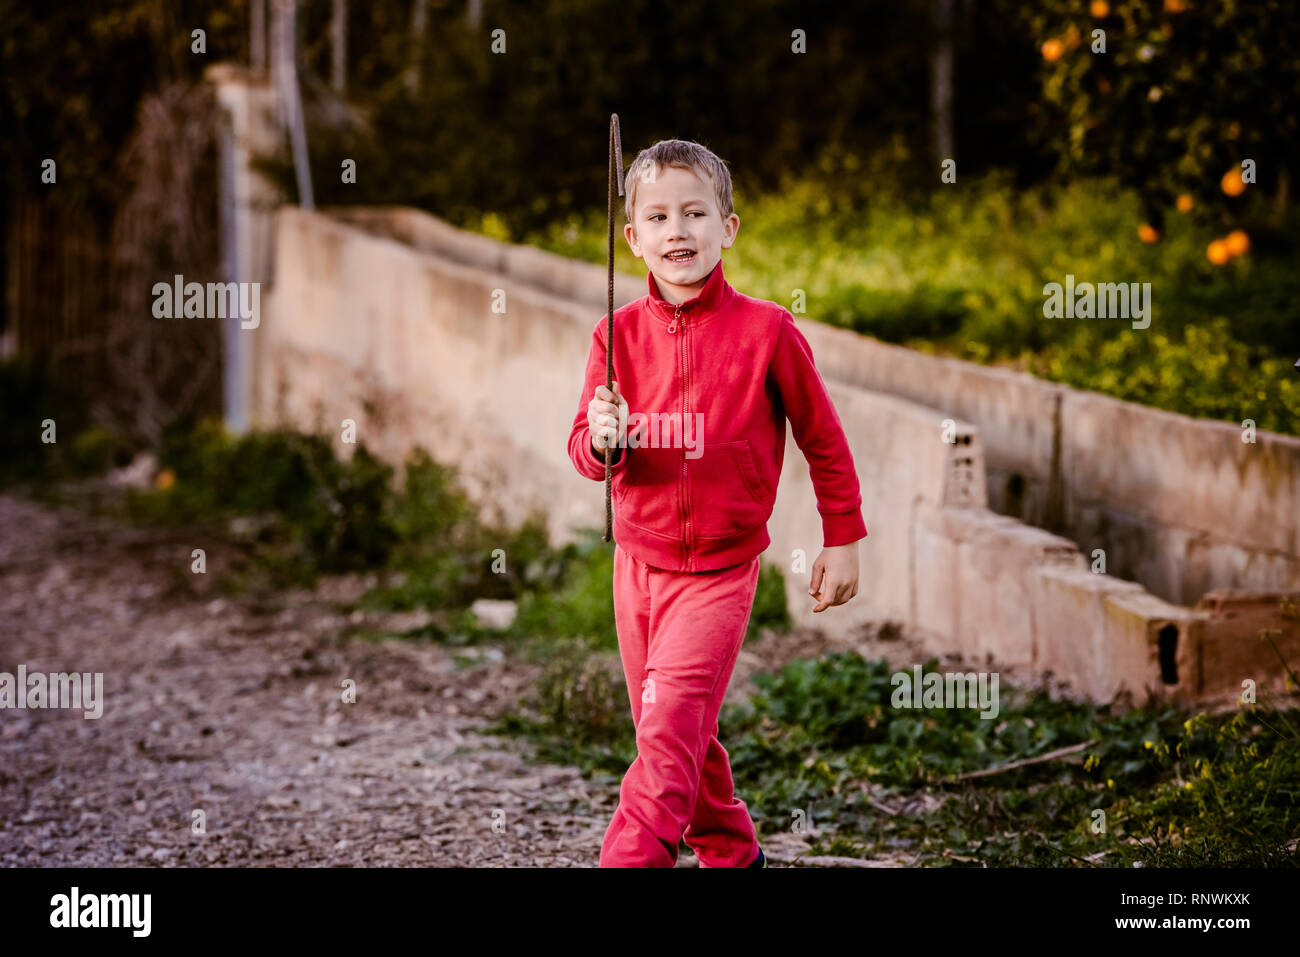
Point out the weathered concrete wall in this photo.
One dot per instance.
(1182, 505)
(566, 278)
(482, 367)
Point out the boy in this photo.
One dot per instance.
(690, 511)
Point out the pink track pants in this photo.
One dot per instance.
(679, 635)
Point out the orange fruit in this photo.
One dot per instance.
(1147, 233)
(1217, 252)
(1232, 183)
(165, 480)
(1175, 6)
(1238, 242)
(1099, 8)
(1052, 50)
(1184, 203)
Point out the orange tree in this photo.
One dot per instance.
(1183, 93)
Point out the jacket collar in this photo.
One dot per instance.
(711, 297)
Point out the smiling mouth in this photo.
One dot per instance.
(681, 256)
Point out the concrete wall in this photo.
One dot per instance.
(1182, 505)
(479, 361)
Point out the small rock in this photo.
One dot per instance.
(494, 613)
(139, 474)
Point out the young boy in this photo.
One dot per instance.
(691, 503)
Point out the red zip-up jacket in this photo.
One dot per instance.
(719, 374)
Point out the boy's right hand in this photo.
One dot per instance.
(607, 415)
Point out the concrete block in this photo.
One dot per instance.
(1232, 649)
(994, 559)
(935, 598)
(1210, 561)
(1070, 634)
(1152, 647)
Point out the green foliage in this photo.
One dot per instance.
(579, 606)
(823, 736)
(1204, 372)
(95, 450)
(446, 555)
(30, 395)
(583, 694)
(312, 512)
(75, 74)
(770, 609)
(331, 514)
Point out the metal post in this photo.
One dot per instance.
(234, 347)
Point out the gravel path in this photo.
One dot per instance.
(234, 709)
(230, 710)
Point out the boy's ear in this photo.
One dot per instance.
(733, 221)
(629, 233)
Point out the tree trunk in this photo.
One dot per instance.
(339, 47)
(257, 35)
(941, 80)
(419, 17)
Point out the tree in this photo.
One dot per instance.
(1180, 97)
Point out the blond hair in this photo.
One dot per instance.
(682, 154)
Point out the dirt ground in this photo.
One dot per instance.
(232, 708)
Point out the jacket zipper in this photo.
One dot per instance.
(689, 560)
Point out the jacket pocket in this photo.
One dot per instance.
(646, 491)
(619, 482)
(727, 494)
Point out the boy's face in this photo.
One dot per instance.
(677, 210)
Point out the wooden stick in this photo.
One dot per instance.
(615, 179)
(1049, 756)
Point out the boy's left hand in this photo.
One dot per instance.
(835, 575)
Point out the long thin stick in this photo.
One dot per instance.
(615, 180)
(1049, 756)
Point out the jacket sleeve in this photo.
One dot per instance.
(819, 435)
(583, 456)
